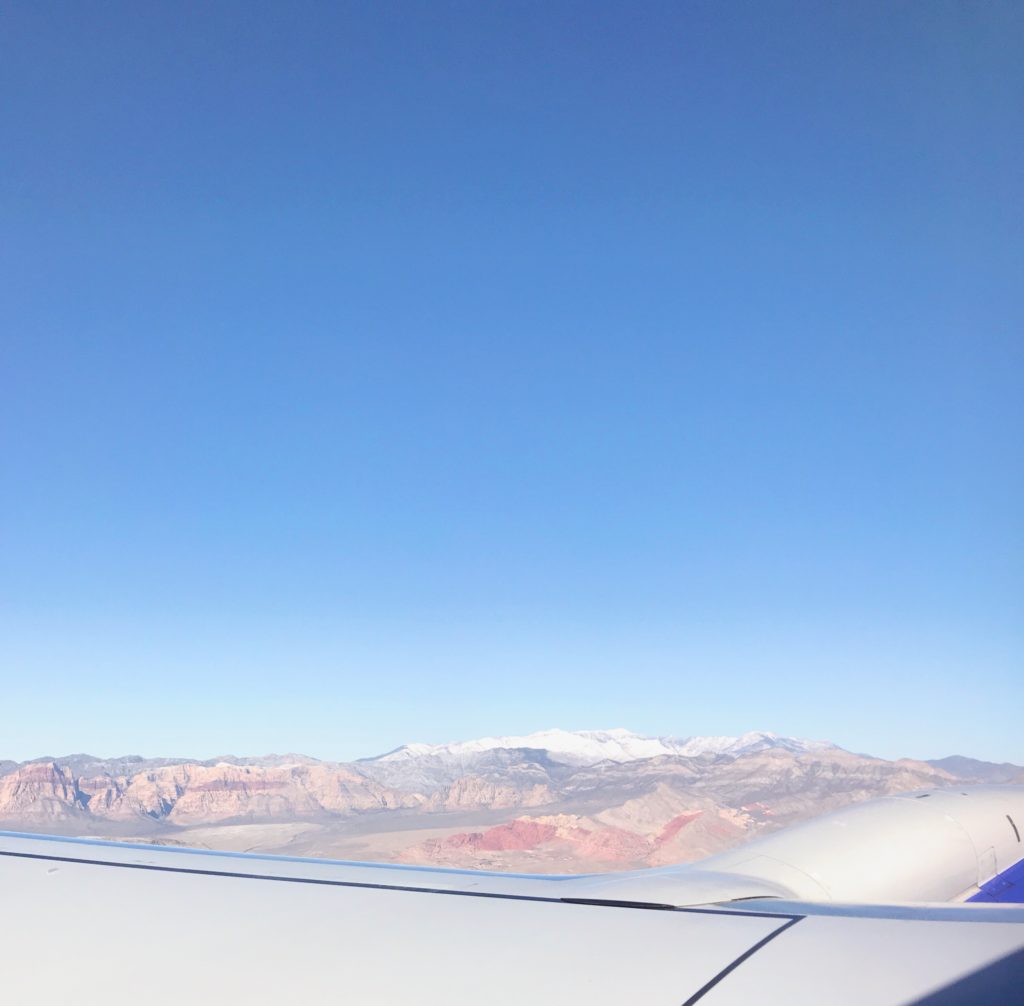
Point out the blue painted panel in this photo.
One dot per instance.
(1006, 887)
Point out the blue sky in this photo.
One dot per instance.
(417, 371)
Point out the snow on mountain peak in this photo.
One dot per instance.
(588, 747)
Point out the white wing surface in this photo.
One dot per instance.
(801, 916)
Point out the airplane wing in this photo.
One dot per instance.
(827, 912)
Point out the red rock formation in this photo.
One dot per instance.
(675, 826)
(41, 791)
(522, 833)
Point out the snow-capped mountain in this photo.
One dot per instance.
(754, 740)
(589, 747)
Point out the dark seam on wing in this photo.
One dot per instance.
(746, 955)
(1014, 826)
(365, 885)
(612, 902)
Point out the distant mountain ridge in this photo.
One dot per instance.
(556, 800)
(590, 747)
(978, 771)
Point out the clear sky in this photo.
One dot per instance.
(378, 372)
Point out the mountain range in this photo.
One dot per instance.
(555, 801)
(588, 747)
